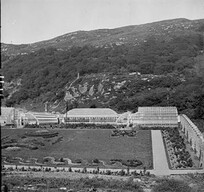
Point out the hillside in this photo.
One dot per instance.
(130, 35)
(164, 68)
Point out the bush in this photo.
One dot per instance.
(171, 185)
(70, 169)
(96, 161)
(77, 161)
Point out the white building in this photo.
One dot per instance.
(12, 116)
(156, 117)
(40, 118)
(91, 115)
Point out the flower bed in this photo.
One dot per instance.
(72, 126)
(130, 133)
(44, 134)
(176, 149)
(128, 163)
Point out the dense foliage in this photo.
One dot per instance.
(171, 185)
(44, 74)
(83, 183)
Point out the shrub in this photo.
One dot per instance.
(77, 161)
(96, 161)
(171, 185)
(70, 169)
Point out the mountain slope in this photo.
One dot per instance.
(156, 64)
(130, 35)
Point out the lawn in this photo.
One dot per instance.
(87, 145)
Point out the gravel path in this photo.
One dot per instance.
(160, 162)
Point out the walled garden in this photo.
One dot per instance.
(178, 156)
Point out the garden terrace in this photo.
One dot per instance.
(85, 145)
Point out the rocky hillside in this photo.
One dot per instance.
(155, 64)
(130, 35)
(108, 90)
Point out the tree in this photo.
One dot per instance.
(93, 106)
(199, 112)
(4, 188)
(70, 169)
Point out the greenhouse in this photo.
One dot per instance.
(41, 118)
(91, 115)
(156, 117)
(12, 116)
(7, 115)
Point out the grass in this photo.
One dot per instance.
(88, 145)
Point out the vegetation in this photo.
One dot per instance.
(73, 126)
(172, 185)
(175, 142)
(129, 133)
(182, 183)
(77, 184)
(44, 134)
(128, 163)
(89, 144)
(177, 59)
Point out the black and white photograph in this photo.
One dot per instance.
(102, 95)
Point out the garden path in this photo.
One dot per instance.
(160, 162)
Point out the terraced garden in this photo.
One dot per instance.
(76, 148)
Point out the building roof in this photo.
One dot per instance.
(156, 115)
(5, 111)
(158, 110)
(42, 118)
(91, 112)
(7, 114)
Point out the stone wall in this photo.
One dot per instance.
(194, 137)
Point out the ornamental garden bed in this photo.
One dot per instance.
(129, 133)
(42, 133)
(72, 126)
(178, 156)
(85, 146)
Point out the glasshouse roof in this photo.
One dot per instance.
(92, 112)
(158, 110)
(156, 115)
(42, 118)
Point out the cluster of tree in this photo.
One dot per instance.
(187, 96)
